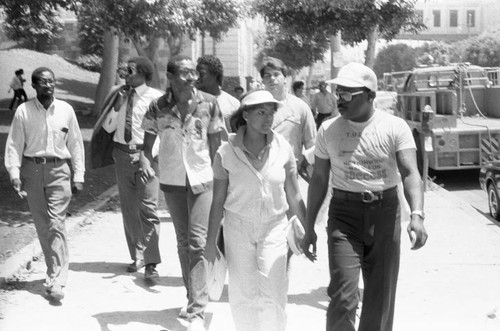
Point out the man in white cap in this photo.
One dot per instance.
(366, 150)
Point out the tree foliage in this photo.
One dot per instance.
(33, 24)
(295, 51)
(483, 50)
(397, 57)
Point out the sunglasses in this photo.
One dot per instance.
(347, 96)
(186, 73)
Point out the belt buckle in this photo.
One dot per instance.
(367, 196)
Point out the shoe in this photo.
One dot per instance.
(135, 266)
(184, 312)
(55, 292)
(196, 325)
(150, 272)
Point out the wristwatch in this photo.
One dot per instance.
(419, 213)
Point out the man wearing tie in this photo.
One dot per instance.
(138, 199)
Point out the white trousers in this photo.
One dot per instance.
(256, 253)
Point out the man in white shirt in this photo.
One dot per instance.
(324, 104)
(43, 136)
(211, 75)
(368, 153)
(138, 199)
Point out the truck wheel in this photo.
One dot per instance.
(493, 202)
(420, 158)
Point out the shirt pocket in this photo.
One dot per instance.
(59, 137)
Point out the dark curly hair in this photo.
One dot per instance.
(214, 66)
(144, 66)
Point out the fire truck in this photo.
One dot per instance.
(453, 111)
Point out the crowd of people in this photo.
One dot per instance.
(229, 162)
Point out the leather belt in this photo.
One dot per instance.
(366, 196)
(43, 160)
(128, 148)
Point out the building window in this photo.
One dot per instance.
(436, 14)
(453, 18)
(471, 18)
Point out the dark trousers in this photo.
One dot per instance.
(189, 214)
(363, 236)
(139, 204)
(19, 96)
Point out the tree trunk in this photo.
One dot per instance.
(151, 52)
(335, 40)
(308, 81)
(202, 43)
(108, 69)
(370, 49)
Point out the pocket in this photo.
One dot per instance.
(59, 139)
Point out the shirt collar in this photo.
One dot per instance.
(40, 107)
(238, 139)
(141, 89)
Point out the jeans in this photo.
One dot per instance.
(49, 193)
(139, 204)
(189, 214)
(256, 253)
(363, 236)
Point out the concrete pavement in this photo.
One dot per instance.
(453, 283)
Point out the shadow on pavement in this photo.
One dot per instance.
(167, 319)
(310, 299)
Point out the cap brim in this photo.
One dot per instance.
(346, 82)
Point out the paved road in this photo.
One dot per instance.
(450, 284)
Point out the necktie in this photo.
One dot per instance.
(128, 116)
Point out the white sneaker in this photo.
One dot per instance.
(196, 325)
(184, 312)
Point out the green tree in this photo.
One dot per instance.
(483, 50)
(295, 51)
(357, 20)
(397, 57)
(33, 24)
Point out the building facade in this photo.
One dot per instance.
(453, 20)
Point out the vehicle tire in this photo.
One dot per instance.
(420, 158)
(493, 201)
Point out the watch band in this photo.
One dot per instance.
(419, 213)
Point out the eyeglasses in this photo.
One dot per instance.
(42, 81)
(347, 96)
(275, 74)
(131, 71)
(186, 73)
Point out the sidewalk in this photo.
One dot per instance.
(453, 283)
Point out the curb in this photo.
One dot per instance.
(23, 257)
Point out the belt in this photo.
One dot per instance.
(128, 148)
(366, 196)
(43, 160)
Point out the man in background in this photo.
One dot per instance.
(211, 73)
(298, 88)
(324, 104)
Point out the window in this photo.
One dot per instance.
(471, 18)
(436, 14)
(453, 18)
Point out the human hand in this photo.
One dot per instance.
(417, 233)
(16, 185)
(76, 188)
(310, 239)
(210, 252)
(304, 169)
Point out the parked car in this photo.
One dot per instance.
(489, 179)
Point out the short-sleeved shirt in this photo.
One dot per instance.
(255, 190)
(295, 122)
(363, 155)
(325, 103)
(184, 147)
(228, 105)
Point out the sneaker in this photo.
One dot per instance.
(150, 272)
(184, 312)
(196, 325)
(55, 292)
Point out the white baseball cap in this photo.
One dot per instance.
(258, 97)
(356, 75)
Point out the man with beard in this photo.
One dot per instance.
(189, 124)
(43, 136)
